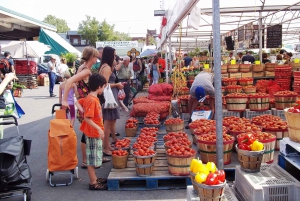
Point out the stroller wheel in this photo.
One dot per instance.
(76, 173)
(47, 175)
(27, 195)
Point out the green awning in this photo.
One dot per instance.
(57, 43)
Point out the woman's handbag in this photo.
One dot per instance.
(110, 102)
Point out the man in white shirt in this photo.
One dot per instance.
(52, 65)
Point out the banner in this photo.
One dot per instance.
(117, 44)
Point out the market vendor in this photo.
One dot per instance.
(202, 86)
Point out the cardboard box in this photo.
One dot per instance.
(44, 81)
(269, 73)
(235, 75)
(247, 74)
(258, 74)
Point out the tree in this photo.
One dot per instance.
(122, 36)
(61, 25)
(106, 32)
(151, 40)
(89, 30)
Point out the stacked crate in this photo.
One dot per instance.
(26, 72)
(283, 76)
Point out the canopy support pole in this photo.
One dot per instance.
(170, 55)
(217, 82)
(260, 36)
(167, 66)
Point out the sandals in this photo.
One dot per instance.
(101, 180)
(84, 166)
(105, 160)
(98, 186)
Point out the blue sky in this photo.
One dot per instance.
(129, 16)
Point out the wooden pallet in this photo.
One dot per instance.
(127, 179)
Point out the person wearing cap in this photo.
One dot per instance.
(202, 86)
(124, 75)
(248, 57)
(7, 56)
(52, 74)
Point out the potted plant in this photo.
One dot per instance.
(18, 89)
(70, 57)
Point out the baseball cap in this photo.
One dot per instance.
(6, 53)
(53, 57)
(200, 93)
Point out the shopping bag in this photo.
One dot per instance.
(121, 94)
(110, 102)
(11, 106)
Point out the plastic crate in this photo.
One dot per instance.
(192, 196)
(271, 183)
(227, 113)
(279, 113)
(250, 114)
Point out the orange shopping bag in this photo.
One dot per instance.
(62, 144)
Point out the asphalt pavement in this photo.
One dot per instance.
(34, 125)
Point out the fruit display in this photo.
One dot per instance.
(249, 142)
(245, 81)
(202, 107)
(147, 134)
(130, 129)
(259, 101)
(227, 121)
(236, 101)
(143, 145)
(119, 152)
(296, 108)
(181, 151)
(174, 124)
(229, 81)
(213, 138)
(274, 125)
(233, 88)
(285, 99)
(249, 89)
(259, 120)
(149, 129)
(178, 142)
(124, 143)
(260, 136)
(182, 91)
(132, 120)
(144, 152)
(237, 128)
(130, 125)
(151, 120)
(174, 121)
(208, 130)
(176, 135)
(146, 138)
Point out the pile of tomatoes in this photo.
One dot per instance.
(244, 127)
(130, 125)
(259, 120)
(275, 125)
(229, 81)
(202, 122)
(119, 152)
(152, 118)
(178, 142)
(146, 138)
(147, 134)
(132, 120)
(124, 143)
(181, 151)
(236, 95)
(213, 138)
(260, 136)
(172, 135)
(296, 108)
(202, 107)
(286, 93)
(227, 121)
(143, 145)
(149, 129)
(174, 121)
(144, 152)
(259, 95)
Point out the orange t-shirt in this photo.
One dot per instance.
(162, 63)
(92, 109)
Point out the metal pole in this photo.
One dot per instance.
(217, 82)
(166, 70)
(260, 36)
(170, 56)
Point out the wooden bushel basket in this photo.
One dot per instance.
(208, 151)
(236, 103)
(259, 103)
(210, 193)
(179, 165)
(233, 68)
(282, 102)
(270, 67)
(250, 161)
(245, 68)
(257, 67)
(130, 132)
(119, 162)
(269, 147)
(192, 176)
(280, 134)
(224, 69)
(144, 165)
(293, 122)
(249, 90)
(175, 127)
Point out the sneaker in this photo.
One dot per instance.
(52, 95)
(98, 186)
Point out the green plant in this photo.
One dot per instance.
(18, 86)
(70, 57)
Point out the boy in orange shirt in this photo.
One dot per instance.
(92, 127)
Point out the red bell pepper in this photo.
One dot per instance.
(221, 175)
(246, 139)
(244, 147)
(212, 179)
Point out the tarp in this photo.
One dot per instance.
(57, 43)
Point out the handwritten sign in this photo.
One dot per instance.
(241, 34)
(274, 36)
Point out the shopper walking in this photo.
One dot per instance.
(52, 69)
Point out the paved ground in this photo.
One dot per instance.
(35, 124)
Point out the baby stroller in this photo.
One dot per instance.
(62, 145)
(15, 175)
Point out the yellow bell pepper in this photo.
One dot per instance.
(203, 169)
(195, 165)
(200, 178)
(257, 146)
(211, 166)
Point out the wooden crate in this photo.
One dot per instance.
(44, 81)
(247, 74)
(269, 73)
(225, 75)
(258, 74)
(235, 75)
